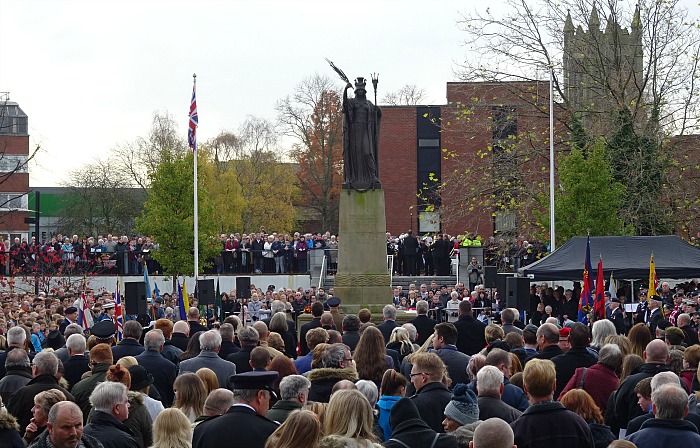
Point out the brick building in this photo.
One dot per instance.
(487, 127)
(14, 169)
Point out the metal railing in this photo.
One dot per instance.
(322, 277)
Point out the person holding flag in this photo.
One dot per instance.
(586, 301)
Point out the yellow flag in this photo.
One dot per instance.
(653, 280)
(185, 297)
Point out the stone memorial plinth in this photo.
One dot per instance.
(362, 280)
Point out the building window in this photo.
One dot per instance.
(13, 201)
(13, 163)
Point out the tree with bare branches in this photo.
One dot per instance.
(408, 95)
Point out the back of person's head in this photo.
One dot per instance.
(154, 340)
(316, 336)
(72, 329)
(550, 332)
(101, 353)
(422, 307)
(248, 336)
(193, 314)
(108, 394)
(209, 378)
(364, 315)
(622, 444)
(489, 380)
(164, 325)
(76, 343)
(493, 332)
(334, 355)
(16, 336)
(327, 319)
(602, 328)
(119, 374)
(351, 323)
(259, 358)
(293, 385)
(17, 358)
(581, 403)
(447, 331)
(670, 402)
(579, 335)
(181, 327)
(210, 340)
(508, 316)
(465, 307)
(539, 378)
(498, 357)
(349, 414)
(392, 383)
(610, 356)
(301, 429)
(317, 309)
(132, 329)
(656, 352)
(664, 378)
(46, 363)
(514, 340)
(226, 331)
(218, 401)
(493, 433)
(172, 429)
(389, 312)
(369, 390)
(261, 328)
(430, 364)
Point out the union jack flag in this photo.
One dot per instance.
(83, 312)
(118, 315)
(194, 120)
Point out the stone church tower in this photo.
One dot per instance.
(603, 69)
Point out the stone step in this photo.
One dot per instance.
(404, 281)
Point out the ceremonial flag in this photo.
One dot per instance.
(585, 302)
(194, 120)
(181, 302)
(155, 289)
(185, 296)
(599, 304)
(217, 301)
(613, 286)
(83, 312)
(118, 313)
(147, 281)
(653, 279)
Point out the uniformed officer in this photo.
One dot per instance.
(104, 332)
(245, 424)
(617, 316)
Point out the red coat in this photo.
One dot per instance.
(600, 382)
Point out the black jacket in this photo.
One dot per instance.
(567, 363)
(351, 338)
(548, 352)
(410, 429)
(636, 423)
(626, 407)
(430, 401)
(21, 402)
(228, 348)
(218, 431)
(386, 328)
(691, 336)
(127, 347)
(180, 340)
(314, 323)
(550, 424)
(74, 368)
(425, 327)
(470, 335)
(242, 359)
(164, 373)
(171, 352)
(109, 431)
(9, 432)
(195, 327)
(490, 407)
(456, 363)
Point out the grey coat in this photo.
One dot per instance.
(223, 369)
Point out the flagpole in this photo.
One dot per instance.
(552, 243)
(196, 206)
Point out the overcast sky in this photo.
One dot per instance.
(90, 74)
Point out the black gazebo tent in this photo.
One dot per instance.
(626, 256)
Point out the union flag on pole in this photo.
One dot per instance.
(585, 303)
(194, 120)
(118, 313)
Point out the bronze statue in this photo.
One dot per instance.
(361, 120)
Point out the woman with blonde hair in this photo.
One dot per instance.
(172, 430)
(401, 342)
(349, 414)
(209, 379)
(127, 361)
(190, 395)
(301, 429)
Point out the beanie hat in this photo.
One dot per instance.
(463, 407)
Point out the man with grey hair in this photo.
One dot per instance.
(218, 402)
(489, 385)
(389, 314)
(252, 392)
(667, 428)
(248, 338)
(412, 334)
(657, 381)
(129, 345)
(15, 339)
(110, 405)
(508, 316)
(163, 370)
(19, 373)
(294, 393)
(77, 363)
(493, 433)
(44, 370)
(210, 342)
(337, 366)
(548, 342)
(691, 335)
(424, 325)
(65, 429)
(227, 333)
(62, 353)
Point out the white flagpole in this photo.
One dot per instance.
(196, 207)
(551, 160)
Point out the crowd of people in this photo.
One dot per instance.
(289, 369)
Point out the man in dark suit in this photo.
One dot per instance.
(181, 335)
(432, 396)
(424, 325)
(163, 371)
(410, 251)
(71, 317)
(252, 393)
(438, 250)
(228, 347)
(616, 315)
(389, 313)
(249, 338)
(129, 346)
(548, 342)
(316, 312)
(654, 315)
(77, 363)
(193, 321)
(470, 332)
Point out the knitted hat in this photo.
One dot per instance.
(463, 407)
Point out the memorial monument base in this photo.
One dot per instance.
(363, 279)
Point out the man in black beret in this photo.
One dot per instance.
(71, 317)
(251, 394)
(333, 304)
